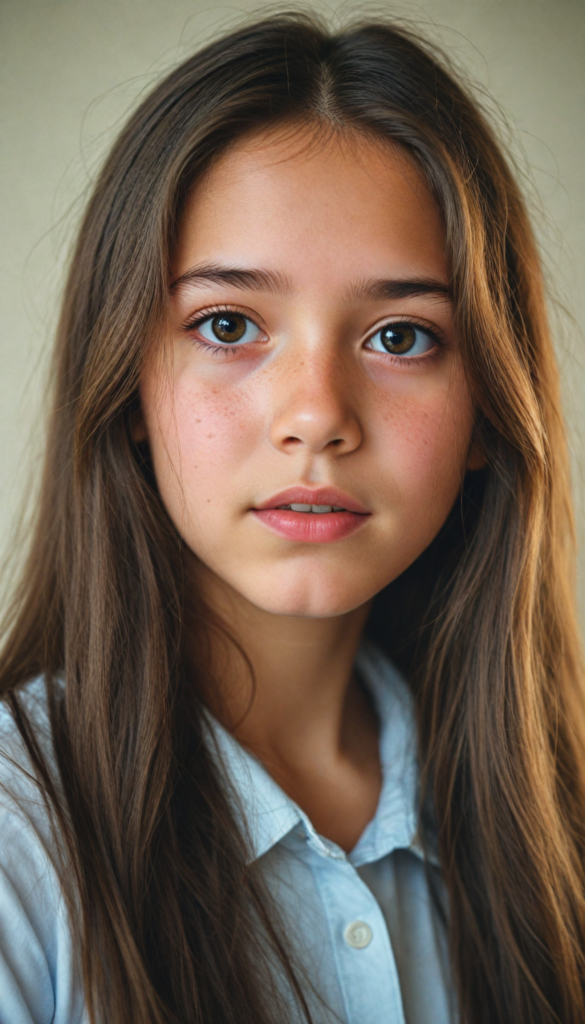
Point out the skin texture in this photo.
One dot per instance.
(308, 401)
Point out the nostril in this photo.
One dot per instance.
(292, 440)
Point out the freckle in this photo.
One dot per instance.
(197, 420)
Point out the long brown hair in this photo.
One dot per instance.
(173, 927)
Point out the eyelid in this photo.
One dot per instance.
(432, 330)
(196, 319)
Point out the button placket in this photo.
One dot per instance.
(366, 970)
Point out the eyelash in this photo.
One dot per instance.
(207, 314)
(228, 351)
(421, 325)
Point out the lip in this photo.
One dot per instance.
(313, 496)
(308, 527)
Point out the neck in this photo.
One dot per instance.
(300, 709)
(300, 700)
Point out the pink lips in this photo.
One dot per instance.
(312, 527)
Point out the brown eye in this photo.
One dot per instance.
(402, 340)
(398, 338)
(229, 327)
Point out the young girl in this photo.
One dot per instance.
(292, 721)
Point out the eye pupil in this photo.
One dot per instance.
(228, 326)
(398, 338)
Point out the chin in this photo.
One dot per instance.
(304, 610)
(311, 602)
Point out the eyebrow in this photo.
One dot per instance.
(380, 288)
(256, 279)
(237, 277)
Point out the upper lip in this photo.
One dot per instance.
(313, 496)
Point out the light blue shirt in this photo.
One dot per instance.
(366, 933)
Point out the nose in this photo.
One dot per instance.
(315, 407)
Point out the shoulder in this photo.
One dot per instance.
(15, 762)
(21, 794)
(37, 972)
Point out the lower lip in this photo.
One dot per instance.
(311, 527)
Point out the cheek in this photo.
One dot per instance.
(198, 438)
(425, 435)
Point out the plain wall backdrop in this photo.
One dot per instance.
(70, 70)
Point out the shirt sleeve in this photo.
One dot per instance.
(39, 974)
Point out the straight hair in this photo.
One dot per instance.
(172, 923)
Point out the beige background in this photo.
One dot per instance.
(71, 69)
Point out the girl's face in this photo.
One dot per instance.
(314, 367)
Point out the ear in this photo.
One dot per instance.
(138, 429)
(476, 457)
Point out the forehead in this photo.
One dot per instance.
(314, 208)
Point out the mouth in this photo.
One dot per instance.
(315, 501)
(318, 510)
(308, 515)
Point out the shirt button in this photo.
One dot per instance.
(358, 935)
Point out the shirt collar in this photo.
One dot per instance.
(267, 814)
(394, 825)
